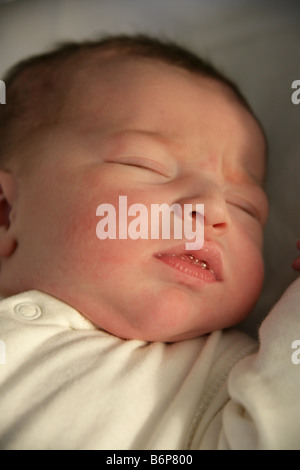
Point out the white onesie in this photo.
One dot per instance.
(64, 384)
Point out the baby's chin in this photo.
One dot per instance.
(163, 313)
(172, 317)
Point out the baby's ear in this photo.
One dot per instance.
(8, 192)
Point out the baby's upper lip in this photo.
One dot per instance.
(209, 253)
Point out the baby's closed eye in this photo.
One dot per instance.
(143, 163)
(245, 207)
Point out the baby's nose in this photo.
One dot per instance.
(215, 215)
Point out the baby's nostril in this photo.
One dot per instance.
(221, 225)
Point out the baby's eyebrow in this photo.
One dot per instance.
(162, 138)
(261, 182)
(159, 136)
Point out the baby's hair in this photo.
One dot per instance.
(36, 87)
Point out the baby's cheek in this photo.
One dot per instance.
(251, 271)
(89, 257)
(244, 255)
(78, 232)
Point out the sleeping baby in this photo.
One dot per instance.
(124, 340)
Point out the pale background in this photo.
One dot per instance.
(257, 43)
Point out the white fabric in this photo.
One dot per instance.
(68, 385)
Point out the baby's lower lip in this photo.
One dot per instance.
(189, 267)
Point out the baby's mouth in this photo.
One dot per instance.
(200, 263)
(204, 264)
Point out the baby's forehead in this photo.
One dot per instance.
(114, 72)
(121, 78)
(115, 69)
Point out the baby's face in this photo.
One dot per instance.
(155, 134)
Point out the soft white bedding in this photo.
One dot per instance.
(256, 42)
